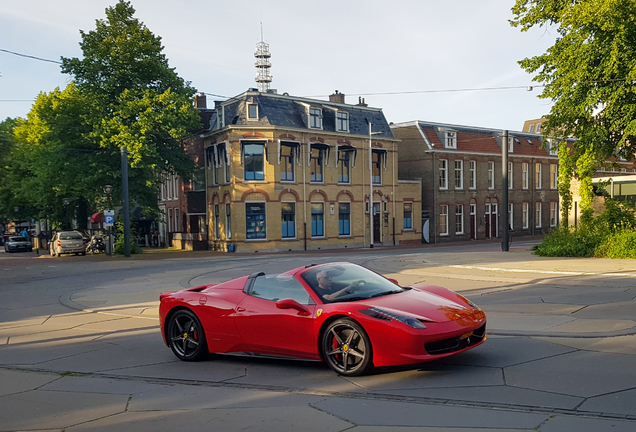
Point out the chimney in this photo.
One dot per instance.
(200, 101)
(337, 97)
(361, 102)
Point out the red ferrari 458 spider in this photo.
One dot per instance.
(344, 314)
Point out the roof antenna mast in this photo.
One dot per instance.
(263, 76)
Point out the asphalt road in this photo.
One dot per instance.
(80, 348)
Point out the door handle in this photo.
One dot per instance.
(240, 309)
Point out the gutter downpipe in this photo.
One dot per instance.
(393, 193)
(302, 161)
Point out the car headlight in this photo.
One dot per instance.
(470, 302)
(383, 314)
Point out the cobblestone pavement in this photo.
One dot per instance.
(80, 348)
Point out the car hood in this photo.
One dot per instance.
(425, 306)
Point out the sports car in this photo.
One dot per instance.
(341, 313)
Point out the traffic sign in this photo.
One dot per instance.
(109, 218)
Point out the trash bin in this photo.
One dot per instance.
(230, 247)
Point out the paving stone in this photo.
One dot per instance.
(190, 397)
(429, 429)
(383, 413)
(527, 323)
(35, 353)
(574, 374)
(89, 384)
(618, 344)
(619, 403)
(503, 395)
(45, 409)
(593, 326)
(14, 381)
(582, 424)
(282, 419)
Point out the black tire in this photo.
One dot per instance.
(346, 348)
(186, 336)
(83, 253)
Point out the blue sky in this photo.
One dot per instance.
(359, 47)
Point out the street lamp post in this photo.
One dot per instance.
(65, 201)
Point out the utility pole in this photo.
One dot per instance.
(504, 180)
(370, 189)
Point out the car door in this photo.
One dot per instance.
(266, 328)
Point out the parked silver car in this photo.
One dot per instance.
(17, 244)
(67, 242)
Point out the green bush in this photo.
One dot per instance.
(569, 242)
(119, 247)
(619, 245)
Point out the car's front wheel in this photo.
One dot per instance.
(346, 348)
(186, 336)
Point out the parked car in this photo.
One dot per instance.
(17, 244)
(341, 313)
(67, 242)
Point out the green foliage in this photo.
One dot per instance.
(119, 247)
(589, 75)
(612, 234)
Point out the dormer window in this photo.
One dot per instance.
(342, 121)
(451, 140)
(553, 148)
(315, 118)
(511, 141)
(252, 111)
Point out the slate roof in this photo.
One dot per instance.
(292, 112)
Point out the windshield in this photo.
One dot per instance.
(17, 239)
(70, 236)
(348, 282)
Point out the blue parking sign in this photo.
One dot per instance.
(109, 218)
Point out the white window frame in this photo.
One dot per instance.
(450, 139)
(473, 174)
(228, 221)
(554, 176)
(511, 210)
(459, 219)
(250, 105)
(342, 117)
(510, 176)
(491, 174)
(443, 174)
(538, 171)
(443, 215)
(175, 183)
(525, 208)
(459, 169)
(315, 118)
(553, 148)
(511, 141)
(531, 128)
(538, 214)
(554, 213)
(525, 166)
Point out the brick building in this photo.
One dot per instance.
(461, 174)
(290, 173)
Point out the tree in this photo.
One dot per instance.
(123, 94)
(590, 75)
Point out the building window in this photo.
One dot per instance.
(554, 175)
(531, 128)
(451, 140)
(491, 175)
(459, 174)
(217, 222)
(344, 164)
(255, 227)
(553, 148)
(537, 178)
(169, 186)
(288, 219)
(554, 213)
(175, 183)
(228, 222)
(443, 174)
(169, 220)
(252, 111)
(524, 215)
(510, 173)
(163, 191)
(538, 127)
(376, 166)
(342, 121)
(344, 219)
(317, 165)
(472, 169)
(538, 214)
(459, 219)
(253, 155)
(524, 175)
(287, 162)
(511, 141)
(510, 216)
(315, 118)
(176, 220)
(408, 216)
(443, 220)
(317, 219)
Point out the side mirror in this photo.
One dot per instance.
(394, 281)
(292, 304)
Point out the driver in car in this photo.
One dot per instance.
(327, 291)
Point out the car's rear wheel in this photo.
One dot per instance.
(186, 336)
(346, 348)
